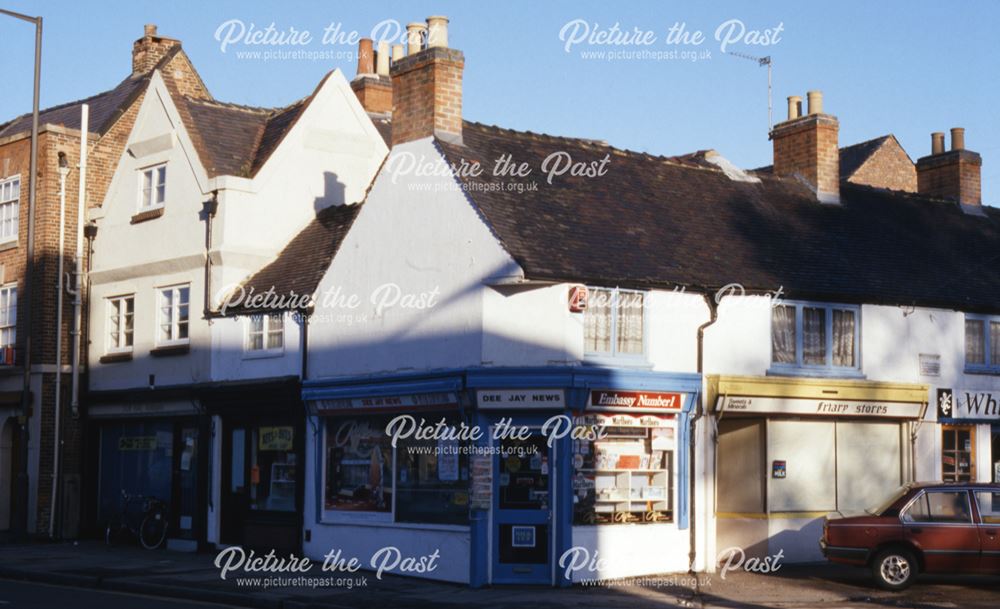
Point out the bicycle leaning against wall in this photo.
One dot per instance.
(141, 517)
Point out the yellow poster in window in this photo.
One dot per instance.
(276, 438)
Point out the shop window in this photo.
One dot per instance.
(939, 506)
(265, 334)
(137, 458)
(807, 336)
(625, 476)
(152, 187)
(10, 203)
(432, 481)
(982, 344)
(614, 323)
(429, 479)
(957, 453)
(173, 315)
(8, 316)
(121, 311)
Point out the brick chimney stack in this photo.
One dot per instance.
(150, 49)
(427, 85)
(807, 147)
(955, 174)
(373, 86)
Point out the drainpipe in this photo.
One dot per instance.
(209, 209)
(77, 290)
(713, 316)
(56, 410)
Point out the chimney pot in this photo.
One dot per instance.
(957, 138)
(794, 106)
(415, 37)
(937, 142)
(149, 30)
(437, 31)
(815, 102)
(382, 58)
(397, 52)
(366, 63)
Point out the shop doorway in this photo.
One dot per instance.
(523, 523)
(9, 453)
(261, 482)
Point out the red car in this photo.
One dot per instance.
(922, 528)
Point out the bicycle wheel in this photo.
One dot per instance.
(153, 530)
(112, 532)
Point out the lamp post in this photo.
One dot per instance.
(20, 508)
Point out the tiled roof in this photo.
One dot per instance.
(654, 221)
(299, 267)
(105, 108)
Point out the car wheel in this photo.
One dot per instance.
(894, 569)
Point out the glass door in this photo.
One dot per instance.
(958, 449)
(186, 476)
(522, 523)
(236, 484)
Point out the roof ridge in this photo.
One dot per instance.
(228, 105)
(75, 102)
(600, 144)
(882, 138)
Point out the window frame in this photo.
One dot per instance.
(987, 367)
(264, 351)
(140, 199)
(15, 203)
(10, 287)
(113, 307)
(174, 322)
(614, 355)
(828, 369)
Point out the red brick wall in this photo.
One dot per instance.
(954, 175)
(889, 167)
(807, 147)
(427, 94)
(374, 93)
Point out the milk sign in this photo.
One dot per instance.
(968, 404)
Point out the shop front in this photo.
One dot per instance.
(790, 451)
(504, 475)
(969, 420)
(259, 428)
(150, 448)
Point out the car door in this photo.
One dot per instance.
(988, 503)
(939, 522)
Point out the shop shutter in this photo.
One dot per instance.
(807, 450)
(869, 464)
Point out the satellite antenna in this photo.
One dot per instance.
(761, 61)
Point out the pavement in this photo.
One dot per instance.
(93, 568)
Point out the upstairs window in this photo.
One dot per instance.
(815, 336)
(8, 316)
(265, 333)
(121, 311)
(10, 203)
(614, 323)
(152, 187)
(982, 343)
(173, 315)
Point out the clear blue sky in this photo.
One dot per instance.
(906, 68)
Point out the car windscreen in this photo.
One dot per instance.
(885, 505)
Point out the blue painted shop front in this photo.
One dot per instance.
(562, 452)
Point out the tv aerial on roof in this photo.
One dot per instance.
(761, 61)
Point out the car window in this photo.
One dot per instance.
(939, 506)
(989, 506)
(918, 510)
